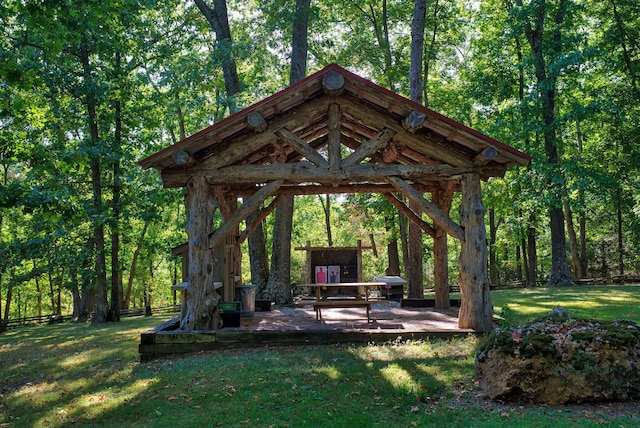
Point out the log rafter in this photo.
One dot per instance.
(412, 216)
(243, 212)
(439, 217)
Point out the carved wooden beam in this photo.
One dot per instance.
(402, 207)
(243, 212)
(438, 216)
(369, 147)
(333, 122)
(302, 147)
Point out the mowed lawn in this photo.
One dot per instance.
(79, 375)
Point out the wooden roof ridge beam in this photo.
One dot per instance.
(402, 207)
(243, 212)
(439, 217)
(333, 123)
(369, 147)
(262, 214)
(302, 147)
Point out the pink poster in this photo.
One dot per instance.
(321, 274)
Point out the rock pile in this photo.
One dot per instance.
(558, 360)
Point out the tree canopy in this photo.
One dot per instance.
(88, 88)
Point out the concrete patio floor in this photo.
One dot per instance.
(385, 316)
(297, 325)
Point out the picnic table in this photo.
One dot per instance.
(353, 300)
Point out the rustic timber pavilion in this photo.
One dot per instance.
(293, 142)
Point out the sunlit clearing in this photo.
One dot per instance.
(34, 392)
(399, 378)
(97, 403)
(330, 371)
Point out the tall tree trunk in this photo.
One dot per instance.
(116, 283)
(404, 240)
(619, 230)
(326, 207)
(573, 239)
(415, 289)
(415, 277)
(582, 221)
(101, 308)
(279, 283)
(547, 81)
(532, 266)
(493, 268)
(134, 264)
(299, 43)
(430, 53)
(75, 292)
(258, 260)
(38, 291)
(7, 306)
(87, 292)
(417, 49)
(52, 293)
(218, 19)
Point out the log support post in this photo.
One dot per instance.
(202, 299)
(442, 199)
(476, 310)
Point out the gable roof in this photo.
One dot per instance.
(322, 129)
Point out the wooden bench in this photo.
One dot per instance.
(318, 305)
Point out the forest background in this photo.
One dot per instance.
(88, 88)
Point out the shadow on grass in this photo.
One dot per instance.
(70, 374)
(90, 376)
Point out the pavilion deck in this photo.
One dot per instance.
(298, 326)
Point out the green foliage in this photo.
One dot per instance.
(168, 82)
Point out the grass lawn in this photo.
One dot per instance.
(79, 375)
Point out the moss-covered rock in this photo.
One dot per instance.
(557, 360)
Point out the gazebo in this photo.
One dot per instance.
(294, 142)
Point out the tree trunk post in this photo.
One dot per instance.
(202, 299)
(441, 253)
(476, 310)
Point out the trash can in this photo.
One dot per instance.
(247, 296)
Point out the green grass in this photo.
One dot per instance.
(78, 375)
(602, 302)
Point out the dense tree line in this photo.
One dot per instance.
(88, 88)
